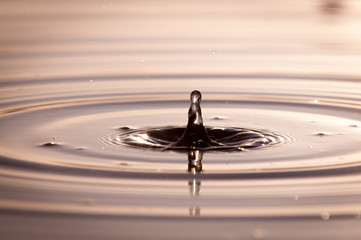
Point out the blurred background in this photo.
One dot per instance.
(97, 38)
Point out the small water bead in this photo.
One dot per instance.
(218, 118)
(50, 144)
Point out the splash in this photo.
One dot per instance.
(196, 136)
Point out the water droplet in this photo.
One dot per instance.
(315, 100)
(325, 216)
(218, 118)
(125, 128)
(50, 144)
(214, 52)
(91, 80)
(124, 164)
(354, 125)
(295, 198)
(257, 233)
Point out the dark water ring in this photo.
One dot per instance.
(195, 136)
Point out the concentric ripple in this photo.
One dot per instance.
(93, 120)
(232, 139)
(195, 136)
(287, 154)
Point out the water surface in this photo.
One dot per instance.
(78, 78)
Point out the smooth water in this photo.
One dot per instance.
(94, 100)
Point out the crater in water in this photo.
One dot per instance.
(196, 136)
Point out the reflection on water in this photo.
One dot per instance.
(83, 82)
(194, 168)
(195, 161)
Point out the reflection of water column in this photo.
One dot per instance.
(195, 161)
(194, 168)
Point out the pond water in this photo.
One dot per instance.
(93, 93)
